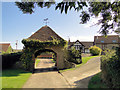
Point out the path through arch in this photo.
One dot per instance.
(45, 64)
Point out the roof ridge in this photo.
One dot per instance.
(41, 31)
(37, 31)
(55, 33)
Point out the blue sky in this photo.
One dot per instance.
(17, 26)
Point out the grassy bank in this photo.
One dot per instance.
(14, 78)
(96, 82)
(84, 60)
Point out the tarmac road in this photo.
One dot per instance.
(46, 76)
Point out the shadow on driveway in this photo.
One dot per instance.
(41, 70)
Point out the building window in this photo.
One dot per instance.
(77, 47)
(114, 41)
(102, 41)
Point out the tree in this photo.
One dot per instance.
(108, 11)
(9, 50)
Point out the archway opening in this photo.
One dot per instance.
(45, 60)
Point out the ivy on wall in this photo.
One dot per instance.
(42, 44)
(32, 45)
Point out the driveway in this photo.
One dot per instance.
(80, 77)
(46, 76)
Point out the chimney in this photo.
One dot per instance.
(68, 43)
(69, 40)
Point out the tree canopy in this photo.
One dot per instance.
(108, 11)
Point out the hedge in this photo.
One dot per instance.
(94, 50)
(110, 66)
(8, 60)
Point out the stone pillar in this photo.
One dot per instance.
(32, 64)
(31, 67)
(60, 60)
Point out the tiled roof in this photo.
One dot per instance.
(109, 39)
(4, 46)
(87, 44)
(71, 43)
(44, 34)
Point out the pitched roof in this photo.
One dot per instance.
(44, 34)
(87, 44)
(72, 43)
(4, 46)
(108, 39)
(79, 42)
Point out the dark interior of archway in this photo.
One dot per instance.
(45, 61)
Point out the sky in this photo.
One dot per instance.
(18, 26)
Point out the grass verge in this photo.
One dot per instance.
(37, 61)
(84, 60)
(14, 78)
(52, 60)
(96, 82)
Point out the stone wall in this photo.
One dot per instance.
(107, 46)
(60, 56)
(86, 54)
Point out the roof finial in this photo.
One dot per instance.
(46, 21)
(68, 40)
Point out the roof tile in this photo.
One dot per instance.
(44, 34)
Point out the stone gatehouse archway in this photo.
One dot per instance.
(32, 47)
(44, 39)
(39, 52)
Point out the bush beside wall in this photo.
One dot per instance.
(94, 50)
(8, 60)
(110, 66)
(73, 56)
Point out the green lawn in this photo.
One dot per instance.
(84, 60)
(37, 61)
(52, 60)
(96, 82)
(14, 78)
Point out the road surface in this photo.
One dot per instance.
(46, 76)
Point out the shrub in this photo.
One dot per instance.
(8, 60)
(110, 66)
(9, 50)
(94, 50)
(73, 55)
